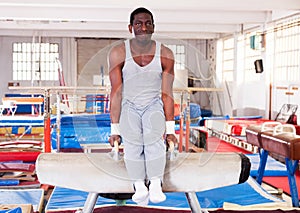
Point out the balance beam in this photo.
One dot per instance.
(98, 173)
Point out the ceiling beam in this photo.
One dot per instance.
(105, 34)
(237, 5)
(108, 29)
(109, 18)
(108, 26)
(120, 15)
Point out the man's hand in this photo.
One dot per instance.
(114, 138)
(171, 138)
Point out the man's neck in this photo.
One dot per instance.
(141, 47)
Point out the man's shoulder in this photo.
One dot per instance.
(118, 48)
(165, 47)
(118, 45)
(166, 51)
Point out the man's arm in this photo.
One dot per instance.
(167, 61)
(116, 62)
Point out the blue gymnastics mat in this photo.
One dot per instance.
(245, 194)
(273, 167)
(14, 210)
(77, 130)
(35, 197)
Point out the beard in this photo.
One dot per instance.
(143, 38)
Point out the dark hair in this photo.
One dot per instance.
(140, 10)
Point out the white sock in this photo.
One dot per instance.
(141, 195)
(155, 191)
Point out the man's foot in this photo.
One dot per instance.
(155, 191)
(141, 195)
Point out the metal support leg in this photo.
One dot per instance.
(193, 202)
(90, 202)
(262, 165)
(291, 168)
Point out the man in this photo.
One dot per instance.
(142, 105)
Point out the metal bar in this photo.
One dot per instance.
(103, 89)
(292, 181)
(47, 122)
(90, 202)
(58, 121)
(193, 202)
(181, 123)
(187, 124)
(262, 165)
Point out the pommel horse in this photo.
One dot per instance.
(99, 173)
(280, 139)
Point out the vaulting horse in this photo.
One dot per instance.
(280, 139)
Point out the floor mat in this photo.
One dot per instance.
(244, 194)
(280, 182)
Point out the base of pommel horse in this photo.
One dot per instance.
(98, 173)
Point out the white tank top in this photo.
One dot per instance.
(141, 85)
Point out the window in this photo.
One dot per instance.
(287, 50)
(228, 59)
(179, 55)
(35, 61)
